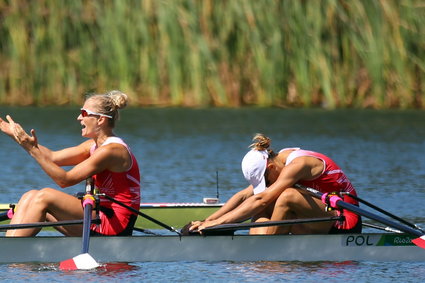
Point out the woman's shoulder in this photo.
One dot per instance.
(88, 144)
(114, 140)
(115, 143)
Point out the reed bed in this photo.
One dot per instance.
(328, 53)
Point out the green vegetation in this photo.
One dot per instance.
(329, 53)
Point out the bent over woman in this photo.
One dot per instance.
(272, 195)
(104, 156)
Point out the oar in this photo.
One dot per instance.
(337, 202)
(388, 229)
(145, 231)
(4, 216)
(413, 225)
(43, 224)
(84, 261)
(246, 226)
(169, 228)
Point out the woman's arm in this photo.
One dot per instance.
(289, 175)
(86, 165)
(71, 155)
(65, 157)
(113, 157)
(232, 203)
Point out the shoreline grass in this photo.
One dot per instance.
(327, 53)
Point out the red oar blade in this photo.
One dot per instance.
(79, 262)
(420, 242)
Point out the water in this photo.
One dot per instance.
(226, 272)
(180, 152)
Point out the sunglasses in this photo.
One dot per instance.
(85, 113)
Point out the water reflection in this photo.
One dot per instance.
(51, 272)
(114, 269)
(290, 268)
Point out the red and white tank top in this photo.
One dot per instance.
(332, 178)
(122, 186)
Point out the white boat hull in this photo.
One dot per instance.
(356, 247)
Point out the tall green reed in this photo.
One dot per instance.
(328, 53)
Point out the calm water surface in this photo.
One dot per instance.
(180, 152)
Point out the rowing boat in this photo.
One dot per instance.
(238, 247)
(352, 247)
(215, 247)
(174, 214)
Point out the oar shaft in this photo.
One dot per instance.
(88, 204)
(4, 216)
(8, 214)
(388, 229)
(245, 226)
(142, 214)
(41, 224)
(84, 260)
(362, 212)
(86, 228)
(384, 211)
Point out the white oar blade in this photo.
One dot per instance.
(420, 242)
(79, 262)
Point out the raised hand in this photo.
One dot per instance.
(16, 132)
(6, 127)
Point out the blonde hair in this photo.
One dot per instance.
(109, 103)
(261, 143)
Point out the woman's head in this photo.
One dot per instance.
(108, 104)
(254, 163)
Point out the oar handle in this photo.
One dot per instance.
(88, 204)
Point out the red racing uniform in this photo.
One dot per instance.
(123, 187)
(332, 179)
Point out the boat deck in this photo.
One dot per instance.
(173, 214)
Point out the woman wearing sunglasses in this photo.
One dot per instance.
(103, 155)
(272, 196)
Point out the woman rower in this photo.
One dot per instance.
(272, 195)
(104, 156)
